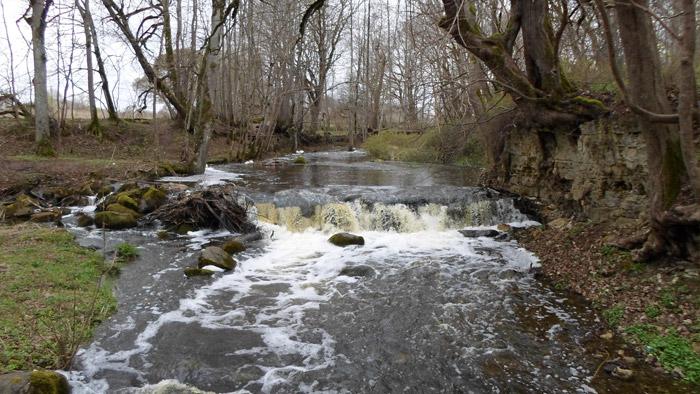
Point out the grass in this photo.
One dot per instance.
(51, 297)
(671, 350)
(448, 146)
(127, 252)
(614, 315)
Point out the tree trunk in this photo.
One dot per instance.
(686, 96)
(84, 10)
(647, 90)
(37, 21)
(101, 70)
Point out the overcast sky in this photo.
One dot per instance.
(15, 34)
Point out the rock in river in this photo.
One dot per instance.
(217, 257)
(34, 382)
(357, 271)
(114, 220)
(195, 271)
(346, 239)
(234, 246)
(475, 233)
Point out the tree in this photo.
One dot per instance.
(42, 120)
(84, 10)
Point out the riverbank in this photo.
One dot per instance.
(52, 294)
(652, 305)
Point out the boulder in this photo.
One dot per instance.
(127, 201)
(114, 220)
(357, 271)
(21, 208)
(233, 246)
(38, 382)
(346, 239)
(151, 200)
(84, 220)
(46, 216)
(196, 271)
(217, 257)
(300, 160)
(122, 209)
(475, 233)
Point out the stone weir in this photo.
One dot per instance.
(372, 208)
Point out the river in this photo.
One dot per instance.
(419, 308)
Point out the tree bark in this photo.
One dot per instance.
(102, 71)
(647, 90)
(42, 121)
(84, 10)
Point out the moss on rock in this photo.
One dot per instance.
(114, 220)
(48, 382)
(346, 239)
(151, 200)
(122, 209)
(127, 201)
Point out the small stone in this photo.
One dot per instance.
(607, 336)
(559, 224)
(623, 373)
(46, 216)
(506, 228)
(346, 239)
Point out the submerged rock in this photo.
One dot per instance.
(234, 246)
(217, 257)
(300, 160)
(39, 382)
(196, 271)
(346, 239)
(358, 271)
(114, 220)
(475, 233)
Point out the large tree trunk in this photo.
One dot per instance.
(42, 121)
(686, 96)
(647, 90)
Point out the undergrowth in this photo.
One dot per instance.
(673, 352)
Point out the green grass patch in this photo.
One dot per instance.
(652, 311)
(614, 315)
(672, 350)
(127, 252)
(51, 297)
(445, 146)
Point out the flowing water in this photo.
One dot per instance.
(419, 308)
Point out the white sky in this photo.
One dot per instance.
(121, 68)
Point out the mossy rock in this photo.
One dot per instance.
(127, 201)
(300, 160)
(174, 168)
(122, 209)
(195, 271)
(346, 239)
(84, 220)
(46, 216)
(114, 220)
(233, 246)
(217, 257)
(22, 208)
(151, 200)
(48, 382)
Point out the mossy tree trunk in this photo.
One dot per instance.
(542, 92)
(647, 90)
(42, 121)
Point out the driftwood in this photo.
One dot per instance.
(215, 207)
(13, 106)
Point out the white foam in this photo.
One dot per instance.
(210, 177)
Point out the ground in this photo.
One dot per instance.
(52, 293)
(654, 305)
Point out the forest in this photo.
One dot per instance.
(561, 137)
